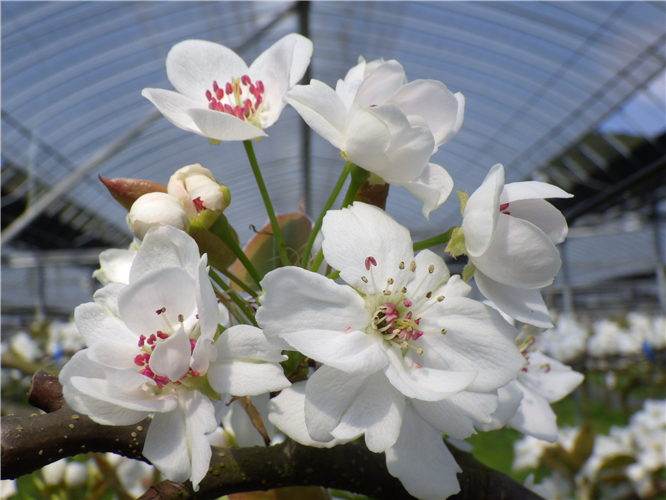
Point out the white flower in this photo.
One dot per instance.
(219, 97)
(406, 356)
(386, 125)
(76, 474)
(195, 187)
(115, 264)
(156, 209)
(510, 236)
(152, 347)
(525, 401)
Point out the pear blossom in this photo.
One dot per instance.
(154, 347)
(201, 195)
(156, 209)
(405, 355)
(219, 97)
(510, 236)
(385, 125)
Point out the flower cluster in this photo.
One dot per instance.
(388, 346)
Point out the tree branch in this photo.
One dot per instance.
(30, 443)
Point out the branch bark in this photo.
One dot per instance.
(29, 443)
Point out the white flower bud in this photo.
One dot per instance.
(200, 194)
(156, 209)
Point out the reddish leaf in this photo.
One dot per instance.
(220, 256)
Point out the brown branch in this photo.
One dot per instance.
(29, 443)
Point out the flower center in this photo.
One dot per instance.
(148, 344)
(239, 97)
(398, 310)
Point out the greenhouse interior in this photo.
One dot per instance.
(530, 335)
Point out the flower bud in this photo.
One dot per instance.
(202, 196)
(156, 209)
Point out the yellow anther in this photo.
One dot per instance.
(412, 266)
(431, 269)
(401, 266)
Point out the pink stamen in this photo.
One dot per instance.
(245, 80)
(151, 340)
(415, 365)
(416, 334)
(260, 86)
(142, 340)
(215, 86)
(209, 96)
(198, 204)
(503, 207)
(219, 94)
(368, 261)
(229, 89)
(147, 372)
(406, 302)
(139, 360)
(160, 311)
(193, 343)
(349, 330)
(162, 335)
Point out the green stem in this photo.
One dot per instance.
(317, 261)
(233, 296)
(277, 234)
(435, 240)
(334, 275)
(220, 228)
(237, 280)
(358, 177)
(329, 203)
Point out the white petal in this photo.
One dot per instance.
(519, 303)
(531, 190)
(352, 352)
(432, 187)
(377, 411)
(455, 287)
(193, 65)
(132, 399)
(549, 378)
(456, 415)
(477, 338)
(322, 110)
(170, 288)
(102, 412)
(425, 383)
(223, 126)
(482, 211)
(431, 100)
(97, 324)
(107, 297)
(202, 355)
(519, 255)
(421, 460)
(510, 397)
(246, 342)
(166, 445)
(534, 416)
(353, 234)
(314, 303)
(543, 215)
(287, 414)
(382, 140)
(114, 354)
(242, 378)
(165, 247)
(279, 68)
(174, 107)
(208, 311)
(200, 420)
(171, 357)
(381, 84)
(430, 281)
(328, 394)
